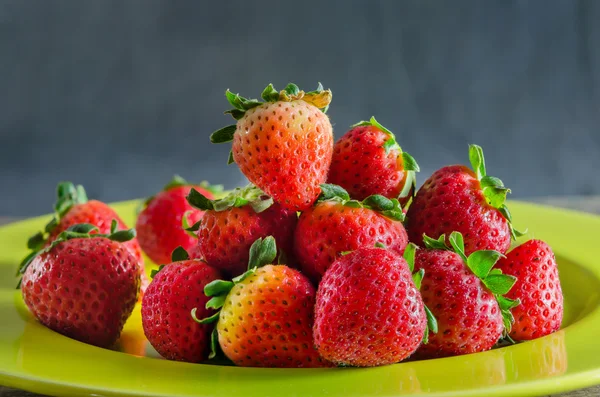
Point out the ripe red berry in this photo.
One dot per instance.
(367, 160)
(368, 310)
(230, 226)
(159, 224)
(466, 297)
(455, 198)
(337, 224)
(72, 208)
(175, 290)
(538, 288)
(83, 286)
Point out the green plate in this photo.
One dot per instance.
(35, 358)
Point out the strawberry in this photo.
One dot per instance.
(83, 285)
(465, 295)
(175, 289)
(455, 198)
(367, 160)
(283, 145)
(369, 311)
(265, 315)
(337, 224)
(159, 224)
(72, 208)
(538, 288)
(230, 226)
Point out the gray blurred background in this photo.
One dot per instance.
(120, 95)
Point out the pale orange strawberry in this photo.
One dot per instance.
(283, 145)
(266, 314)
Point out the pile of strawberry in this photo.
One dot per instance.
(329, 257)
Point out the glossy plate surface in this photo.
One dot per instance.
(34, 358)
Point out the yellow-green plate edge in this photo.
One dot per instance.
(37, 359)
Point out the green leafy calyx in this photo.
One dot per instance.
(38, 245)
(190, 229)
(262, 252)
(319, 98)
(389, 208)
(481, 263)
(409, 255)
(67, 196)
(179, 254)
(249, 195)
(493, 188)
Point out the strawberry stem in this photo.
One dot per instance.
(409, 257)
(481, 263)
(493, 188)
(319, 98)
(389, 208)
(82, 230)
(239, 197)
(179, 254)
(190, 229)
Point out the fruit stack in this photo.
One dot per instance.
(330, 257)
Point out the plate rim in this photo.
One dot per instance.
(560, 383)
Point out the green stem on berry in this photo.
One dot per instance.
(390, 208)
(320, 98)
(82, 230)
(223, 135)
(190, 229)
(409, 256)
(239, 197)
(179, 254)
(67, 195)
(493, 188)
(481, 263)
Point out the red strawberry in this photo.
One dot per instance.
(230, 226)
(337, 224)
(369, 311)
(83, 285)
(455, 198)
(159, 225)
(266, 314)
(72, 208)
(367, 161)
(175, 290)
(538, 288)
(283, 145)
(465, 296)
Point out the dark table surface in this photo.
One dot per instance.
(587, 204)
